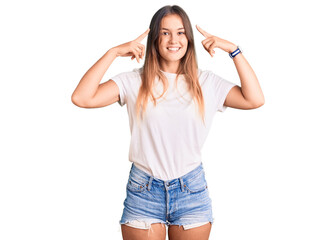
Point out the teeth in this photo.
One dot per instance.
(173, 49)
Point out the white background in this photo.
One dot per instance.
(63, 169)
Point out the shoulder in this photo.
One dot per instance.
(205, 75)
(135, 73)
(215, 82)
(128, 79)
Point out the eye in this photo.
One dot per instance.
(165, 33)
(181, 33)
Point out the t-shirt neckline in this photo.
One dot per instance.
(170, 75)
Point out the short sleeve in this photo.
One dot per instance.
(221, 89)
(120, 80)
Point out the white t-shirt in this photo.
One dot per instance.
(167, 143)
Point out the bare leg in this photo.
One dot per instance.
(176, 232)
(156, 232)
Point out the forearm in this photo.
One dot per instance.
(88, 85)
(250, 87)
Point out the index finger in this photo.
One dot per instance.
(204, 33)
(142, 36)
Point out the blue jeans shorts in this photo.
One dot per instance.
(182, 201)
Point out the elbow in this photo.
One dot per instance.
(259, 103)
(76, 100)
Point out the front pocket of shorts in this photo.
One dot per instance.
(197, 184)
(135, 185)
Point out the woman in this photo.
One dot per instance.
(171, 104)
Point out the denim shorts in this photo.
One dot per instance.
(182, 201)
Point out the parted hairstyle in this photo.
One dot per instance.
(151, 68)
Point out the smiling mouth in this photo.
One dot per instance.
(174, 49)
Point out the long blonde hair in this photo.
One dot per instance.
(188, 65)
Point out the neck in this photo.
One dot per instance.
(170, 67)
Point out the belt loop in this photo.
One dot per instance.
(150, 183)
(181, 182)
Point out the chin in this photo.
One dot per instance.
(174, 59)
(170, 58)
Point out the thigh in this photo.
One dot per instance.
(157, 231)
(176, 232)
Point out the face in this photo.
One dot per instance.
(173, 42)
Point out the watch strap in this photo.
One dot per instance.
(235, 52)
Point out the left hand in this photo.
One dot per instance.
(211, 42)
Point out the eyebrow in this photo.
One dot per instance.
(168, 29)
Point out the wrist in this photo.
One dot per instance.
(233, 48)
(235, 52)
(114, 52)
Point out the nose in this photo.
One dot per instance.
(173, 38)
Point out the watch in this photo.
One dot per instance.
(235, 52)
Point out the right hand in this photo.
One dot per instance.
(133, 48)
